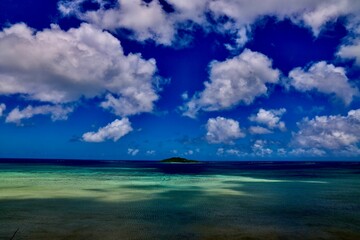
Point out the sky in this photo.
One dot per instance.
(206, 79)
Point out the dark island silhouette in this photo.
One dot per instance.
(178, 160)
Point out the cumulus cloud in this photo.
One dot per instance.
(223, 130)
(259, 130)
(259, 148)
(142, 18)
(224, 16)
(59, 66)
(132, 151)
(237, 80)
(335, 133)
(57, 112)
(324, 78)
(270, 118)
(113, 131)
(351, 50)
(2, 108)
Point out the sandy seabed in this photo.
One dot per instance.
(154, 201)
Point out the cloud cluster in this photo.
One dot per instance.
(307, 152)
(269, 118)
(237, 80)
(230, 152)
(324, 78)
(224, 16)
(59, 66)
(259, 148)
(334, 133)
(314, 14)
(113, 131)
(142, 18)
(57, 112)
(223, 130)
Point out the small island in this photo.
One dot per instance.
(178, 160)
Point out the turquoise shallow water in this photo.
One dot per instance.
(142, 200)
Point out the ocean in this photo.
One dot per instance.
(63, 199)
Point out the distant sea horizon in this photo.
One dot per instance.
(298, 160)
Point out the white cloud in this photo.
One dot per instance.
(144, 19)
(113, 131)
(259, 130)
(237, 80)
(307, 152)
(314, 14)
(68, 7)
(351, 50)
(2, 108)
(62, 66)
(233, 152)
(270, 118)
(241, 37)
(259, 148)
(230, 152)
(325, 12)
(336, 133)
(132, 151)
(57, 112)
(324, 78)
(223, 130)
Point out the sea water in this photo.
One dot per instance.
(150, 200)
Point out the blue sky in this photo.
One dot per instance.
(206, 79)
